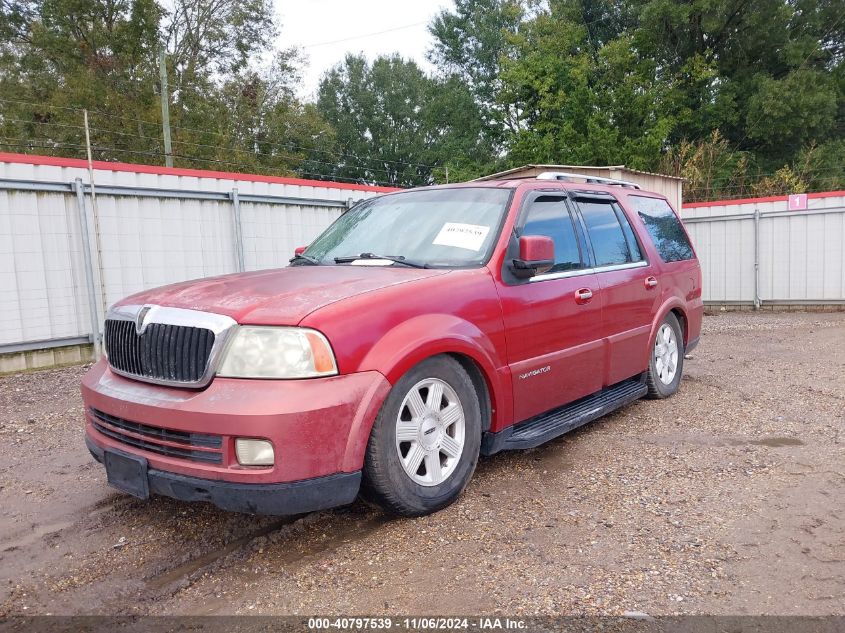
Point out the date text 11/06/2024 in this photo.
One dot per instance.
(414, 624)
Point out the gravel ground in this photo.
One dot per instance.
(728, 498)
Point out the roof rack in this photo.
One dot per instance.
(595, 180)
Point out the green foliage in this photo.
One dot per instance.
(822, 167)
(784, 114)
(394, 124)
(741, 97)
(469, 44)
(656, 83)
(226, 111)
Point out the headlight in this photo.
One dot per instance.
(278, 352)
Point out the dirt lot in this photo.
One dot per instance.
(728, 498)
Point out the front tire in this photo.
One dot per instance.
(425, 442)
(666, 363)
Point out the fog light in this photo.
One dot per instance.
(254, 452)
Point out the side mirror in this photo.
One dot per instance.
(536, 256)
(299, 250)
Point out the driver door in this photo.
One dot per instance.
(553, 321)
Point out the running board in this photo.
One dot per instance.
(549, 425)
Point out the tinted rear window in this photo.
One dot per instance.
(664, 227)
(606, 235)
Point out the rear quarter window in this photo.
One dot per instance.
(664, 227)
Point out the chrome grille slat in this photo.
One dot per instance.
(178, 347)
(159, 352)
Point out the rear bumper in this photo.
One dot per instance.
(273, 499)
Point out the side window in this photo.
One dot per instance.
(664, 227)
(610, 246)
(633, 245)
(550, 216)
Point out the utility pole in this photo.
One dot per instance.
(97, 241)
(165, 107)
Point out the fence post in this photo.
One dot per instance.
(757, 301)
(96, 339)
(239, 235)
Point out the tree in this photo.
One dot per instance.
(395, 125)
(460, 143)
(209, 38)
(740, 96)
(644, 82)
(470, 44)
(376, 110)
(583, 94)
(227, 111)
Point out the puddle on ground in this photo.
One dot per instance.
(702, 439)
(777, 441)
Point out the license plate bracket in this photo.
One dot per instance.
(127, 473)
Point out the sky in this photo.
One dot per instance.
(328, 29)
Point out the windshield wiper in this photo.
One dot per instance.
(305, 259)
(397, 259)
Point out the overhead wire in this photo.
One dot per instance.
(97, 149)
(289, 146)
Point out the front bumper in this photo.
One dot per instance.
(319, 429)
(282, 499)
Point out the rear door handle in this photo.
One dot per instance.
(583, 295)
(651, 282)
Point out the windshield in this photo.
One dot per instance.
(435, 227)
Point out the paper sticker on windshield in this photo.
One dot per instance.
(468, 236)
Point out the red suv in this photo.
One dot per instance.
(420, 330)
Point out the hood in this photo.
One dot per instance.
(282, 296)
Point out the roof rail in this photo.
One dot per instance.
(596, 180)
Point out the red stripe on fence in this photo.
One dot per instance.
(31, 159)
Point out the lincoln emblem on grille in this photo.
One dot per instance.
(139, 322)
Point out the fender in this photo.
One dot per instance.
(410, 343)
(421, 337)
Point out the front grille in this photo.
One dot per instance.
(175, 353)
(198, 447)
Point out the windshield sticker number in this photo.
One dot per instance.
(468, 236)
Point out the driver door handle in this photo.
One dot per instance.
(583, 295)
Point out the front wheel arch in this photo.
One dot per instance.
(420, 338)
(482, 387)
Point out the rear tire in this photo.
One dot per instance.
(425, 442)
(666, 360)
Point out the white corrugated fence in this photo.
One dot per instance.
(760, 251)
(156, 226)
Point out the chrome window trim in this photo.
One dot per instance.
(589, 271)
(220, 324)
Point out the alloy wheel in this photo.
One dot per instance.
(666, 354)
(430, 432)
